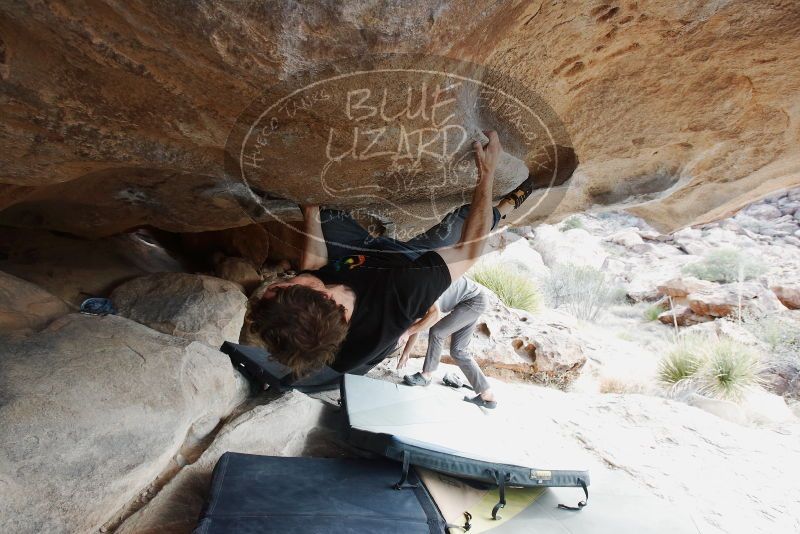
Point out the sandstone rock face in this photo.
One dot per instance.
(682, 316)
(24, 306)
(724, 300)
(92, 409)
(291, 425)
(75, 269)
(510, 344)
(788, 294)
(118, 114)
(194, 307)
(515, 344)
(679, 288)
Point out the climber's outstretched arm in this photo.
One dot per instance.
(465, 253)
(315, 253)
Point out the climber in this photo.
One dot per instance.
(357, 294)
(464, 301)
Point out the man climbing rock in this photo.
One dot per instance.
(357, 294)
(464, 302)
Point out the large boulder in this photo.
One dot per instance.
(628, 238)
(92, 410)
(575, 246)
(97, 140)
(25, 306)
(540, 347)
(292, 425)
(192, 306)
(680, 288)
(511, 344)
(727, 299)
(788, 294)
(239, 271)
(681, 315)
(517, 254)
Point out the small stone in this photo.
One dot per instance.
(763, 211)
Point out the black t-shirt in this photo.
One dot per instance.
(391, 291)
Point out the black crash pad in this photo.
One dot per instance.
(271, 495)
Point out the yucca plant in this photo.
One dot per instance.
(729, 370)
(679, 367)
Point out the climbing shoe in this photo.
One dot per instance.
(416, 380)
(454, 381)
(522, 191)
(550, 167)
(477, 400)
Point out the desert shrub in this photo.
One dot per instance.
(581, 291)
(721, 368)
(682, 361)
(652, 313)
(512, 288)
(725, 265)
(780, 334)
(730, 369)
(570, 223)
(781, 338)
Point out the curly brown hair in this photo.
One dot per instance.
(302, 328)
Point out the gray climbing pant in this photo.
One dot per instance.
(459, 325)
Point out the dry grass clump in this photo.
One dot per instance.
(580, 290)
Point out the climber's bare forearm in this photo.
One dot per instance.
(466, 252)
(314, 254)
(430, 318)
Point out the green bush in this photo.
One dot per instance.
(652, 313)
(581, 291)
(725, 265)
(722, 368)
(570, 223)
(682, 361)
(729, 371)
(511, 287)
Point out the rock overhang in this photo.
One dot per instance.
(119, 116)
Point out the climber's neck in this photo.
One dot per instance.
(344, 296)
